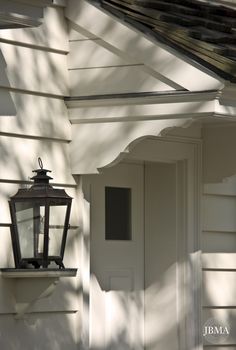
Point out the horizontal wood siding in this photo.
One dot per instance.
(219, 258)
(21, 116)
(57, 329)
(43, 36)
(229, 318)
(219, 230)
(34, 123)
(219, 213)
(33, 69)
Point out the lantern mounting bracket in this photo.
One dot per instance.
(31, 285)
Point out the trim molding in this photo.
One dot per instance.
(188, 162)
(140, 97)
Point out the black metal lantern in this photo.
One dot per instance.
(40, 220)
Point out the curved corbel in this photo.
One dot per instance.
(95, 146)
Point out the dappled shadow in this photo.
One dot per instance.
(36, 76)
(117, 65)
(168, 64)
(116, 316)
(118, 311)
(218, 236)
(6, 102)
(34, 124)
(109, 70)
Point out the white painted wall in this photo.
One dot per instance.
(34, 123)
(219, 227)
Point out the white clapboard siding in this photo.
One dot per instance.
(19, 156)
(45, 35)
(225, 188)
(7, 106)
(214, 242)
(219, 288)
(111, 80)
(218, 160)
(220, 314)
(228, 319)
(219, 256)
(34, 123)
(50, 331)
(49, 119)
(219, 260)
(34, 70)
(219, 213)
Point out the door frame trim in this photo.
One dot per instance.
(190, 331)
(187, 153)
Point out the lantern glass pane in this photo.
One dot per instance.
(24, 219)
(56, 229)
(39, 222)
(30, 225)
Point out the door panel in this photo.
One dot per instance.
(161, 324)
(134, 285)
(117, 264)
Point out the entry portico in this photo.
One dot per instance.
(140, 130)
(158, 145)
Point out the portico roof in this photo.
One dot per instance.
(203, 31)
(106, 126)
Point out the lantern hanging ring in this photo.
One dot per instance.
(40, 163)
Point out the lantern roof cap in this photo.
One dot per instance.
(42, 192)
(41, 189)
(41, 174)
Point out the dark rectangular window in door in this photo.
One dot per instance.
(117, 213)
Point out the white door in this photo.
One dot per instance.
(117, 258)
(161, 258)
(141, 282)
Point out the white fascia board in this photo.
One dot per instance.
(141, 98)
(141, 112)
(152, 107)
(132, 43)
